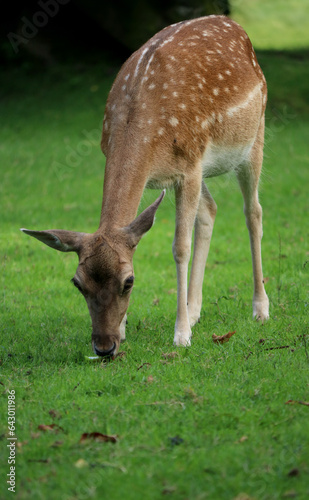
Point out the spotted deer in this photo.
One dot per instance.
(188, 105)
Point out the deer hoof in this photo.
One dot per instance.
(181, 339)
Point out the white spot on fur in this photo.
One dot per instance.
(173, 121)
(127, 77)
(161, 131)
(182, 105)
(221, 77)
(139, 61)
(228, 72)
(144, 105)
(215, 91)
(151, 86)
(149, 62)
(175, 94)
(165, 86)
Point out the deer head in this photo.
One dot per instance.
(104, 275)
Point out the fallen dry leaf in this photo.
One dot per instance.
(35, 435)
(293, 402)
(52, 427)
(20, 444)
(169, 355)
(278, 347)
(56, 444)
(97, 436)
(150, 379)
(290, 494)
(142, 366)
(294, 472)
(81, 463)
(243, 439)
(120, 355)
(221, 339)
(55, 414)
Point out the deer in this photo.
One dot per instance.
(187, 106)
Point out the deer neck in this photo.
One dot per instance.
(122, 192)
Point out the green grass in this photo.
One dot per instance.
(276, 24)
(227, 404)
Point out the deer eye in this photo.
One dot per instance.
(128, 284)
(77, 285)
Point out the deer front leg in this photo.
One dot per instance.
(204, 223)
(187, 199)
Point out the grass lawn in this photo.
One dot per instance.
(208, 422)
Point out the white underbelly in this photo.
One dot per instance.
(218, 159)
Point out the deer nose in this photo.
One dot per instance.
(107, 353)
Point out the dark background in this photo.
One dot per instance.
(52, 31)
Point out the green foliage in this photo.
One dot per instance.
(279, 24)
(210, 421)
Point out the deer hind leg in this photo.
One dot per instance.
(204, 223)
(248, 178)
(187, 196)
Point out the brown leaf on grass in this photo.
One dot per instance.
(142, 366)
(55, 414)
(80, 463)
(290, 494)
(221, 339)
(293, 402)
(169, 355)
(294, 472)
(52, 427)
(56, 444)
(243, 439)
(20, 444)
(120, 355)
(169, 490)
(278, 347)
(156, 301)
(150, 379)
(35, 435)
(97, 436)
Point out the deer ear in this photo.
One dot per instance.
(143, 222)
(64, 241)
